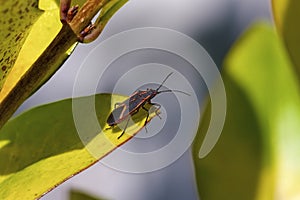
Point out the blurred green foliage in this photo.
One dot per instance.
(256, 155)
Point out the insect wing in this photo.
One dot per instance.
(133, 102)
(137, 100)
(118, 115)
(128, 107)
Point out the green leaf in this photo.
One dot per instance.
(286, 14)
(41, 148)
(31, 26)
(27, 28)
(16, 19)
(48, 44)
(257, 155)
(110, 9)
(42, 24)
(78, 195)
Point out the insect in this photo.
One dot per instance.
(132, 105)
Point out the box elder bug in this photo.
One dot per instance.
(131, 106)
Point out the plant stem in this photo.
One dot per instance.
(49, 59)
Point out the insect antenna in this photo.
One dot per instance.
(169, 90)
(164, 81)
(174, 91)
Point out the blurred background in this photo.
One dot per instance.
(215, 24)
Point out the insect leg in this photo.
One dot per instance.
(146, 117)
(117, 104)
(110, 127)
(124, 128)
(157, 108)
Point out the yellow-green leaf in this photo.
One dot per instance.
(16, 19)
(45, 49)
(257, 155)
(110, 9)
(44, 26)
(27, 28)
(41, 148)
(286, 14)
(78, 195)
(38, 27)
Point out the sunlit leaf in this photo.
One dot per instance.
(34, 58)
(110, 9)
(286, 14)
(16, 19)
(27, 28)
(78, 195)
(42, 148)
(42, 30)
(39, 35)
(257, 155)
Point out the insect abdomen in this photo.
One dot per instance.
(117, 115)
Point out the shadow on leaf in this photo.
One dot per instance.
(233, 168)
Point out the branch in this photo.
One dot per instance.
(48, 61)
